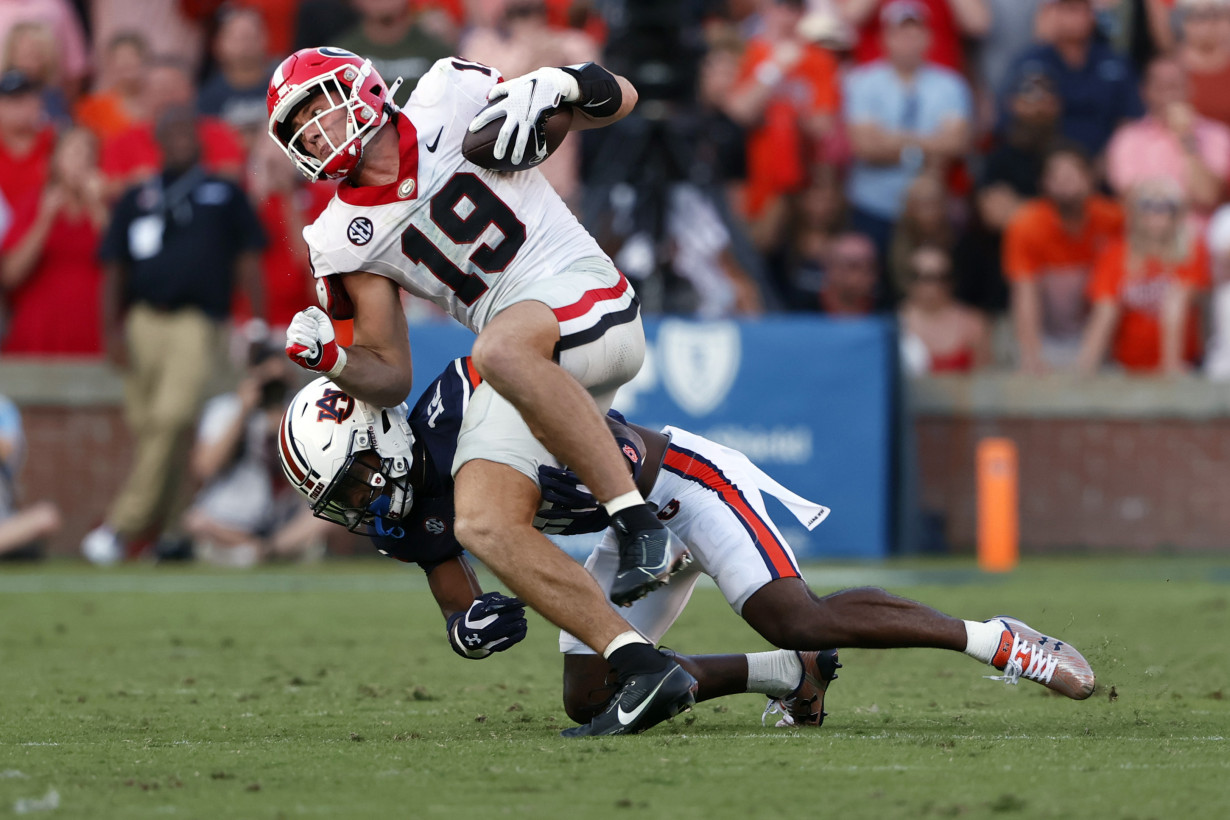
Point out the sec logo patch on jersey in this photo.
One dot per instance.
(360, 230)
(435, 526)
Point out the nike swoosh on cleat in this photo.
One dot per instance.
(431, 146)
(595, 104)
(627, 718)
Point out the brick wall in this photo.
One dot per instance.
(1113, 463)
(1101, 484)
(76, 457)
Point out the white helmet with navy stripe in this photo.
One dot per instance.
(351, 460)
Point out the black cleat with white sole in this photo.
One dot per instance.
(643, 701)
(647, 558)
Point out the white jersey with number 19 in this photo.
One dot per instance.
(463, 237)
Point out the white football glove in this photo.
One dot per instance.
(524, 100)
(310, 343)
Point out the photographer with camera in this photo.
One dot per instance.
(244, 512)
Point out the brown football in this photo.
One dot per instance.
(478, 146)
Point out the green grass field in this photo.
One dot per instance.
(330, 691)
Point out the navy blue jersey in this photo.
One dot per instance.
(427, 537)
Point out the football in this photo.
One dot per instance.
(478, 146)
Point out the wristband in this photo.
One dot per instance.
(599, 93)
(336, 370)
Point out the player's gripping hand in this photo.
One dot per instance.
(564, 494)
(310, 343)
(493, 623)
(524, 99)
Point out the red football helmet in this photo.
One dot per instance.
(347, 82)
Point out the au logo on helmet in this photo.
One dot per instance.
(334, 405)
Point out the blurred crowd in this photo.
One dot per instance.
(1029, 184)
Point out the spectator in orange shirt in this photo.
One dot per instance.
(787, 96)
(1144, 286)
(133, 156)
(1049, 250)
(118, 101)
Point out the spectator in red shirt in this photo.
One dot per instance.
(951, 20)
(49, 268)
(26, 139)
(285, 206)
(1144, 287)
(133, 156)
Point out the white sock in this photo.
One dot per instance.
(622, 640)
(775, 674)
(982, 639)
(623, 502)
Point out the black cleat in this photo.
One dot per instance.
(647, 559)
(643, 701)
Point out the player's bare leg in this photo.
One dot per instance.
(515, 353)
(495, 507)
(789, 615)
(495, 510)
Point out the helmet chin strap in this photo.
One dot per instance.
(379, 508)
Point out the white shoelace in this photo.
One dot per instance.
(777, 706)
(1041, 665)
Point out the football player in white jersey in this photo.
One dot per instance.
(558, 326)
(367, 461)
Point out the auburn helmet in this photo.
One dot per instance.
(351, 460)
(344, 83)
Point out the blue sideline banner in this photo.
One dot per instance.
(808, 399)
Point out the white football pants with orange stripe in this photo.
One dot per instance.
(710, 498)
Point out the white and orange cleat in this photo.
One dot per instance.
(1024, 652)
(805, 705)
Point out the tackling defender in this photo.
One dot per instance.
(709, 495)
(558, 326)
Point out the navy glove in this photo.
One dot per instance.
(493, 623)
(561, 489)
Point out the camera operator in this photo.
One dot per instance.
(245, 512)
(678, 144)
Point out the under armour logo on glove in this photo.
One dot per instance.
(493, 623)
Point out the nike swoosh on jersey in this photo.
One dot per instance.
(595, 104)
(626, 718)
(431, 146)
